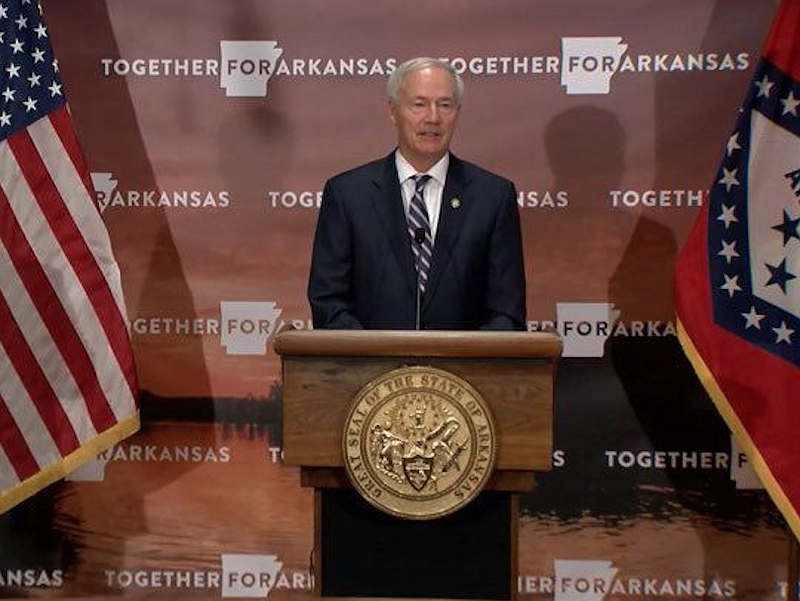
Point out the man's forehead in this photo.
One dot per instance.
(416, 82)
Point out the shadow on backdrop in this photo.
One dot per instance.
(670, 404)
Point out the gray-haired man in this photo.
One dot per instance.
(419, 238)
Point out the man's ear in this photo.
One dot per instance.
(391, 112)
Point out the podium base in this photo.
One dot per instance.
(366, 553)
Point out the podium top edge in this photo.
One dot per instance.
(411, 343)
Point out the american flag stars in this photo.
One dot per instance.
(29, 75)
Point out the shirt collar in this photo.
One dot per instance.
(437, 172)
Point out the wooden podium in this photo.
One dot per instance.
(359, 551)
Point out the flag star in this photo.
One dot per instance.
(38, 55)
(34, 79)
(728, 251)
(13, 71)
(41, 31)
(55, 65)
(729, 178)
(727, 215)
(731, 285)
(790, 104)
(2, 33)
(30, 104)
(733, 144)
(5, 119)
(55, 89)
(763, 87)
(8, 94)
(22, 22)
(3, 12)
(783, 334)
(753, 319)
(17, 45)
(779, 275)
(788, 228)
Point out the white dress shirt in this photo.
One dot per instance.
(433, 189)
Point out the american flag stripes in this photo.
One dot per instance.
(737, 290)
(67, 379)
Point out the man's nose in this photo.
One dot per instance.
(433, 115)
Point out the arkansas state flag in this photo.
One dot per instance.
(737, 280)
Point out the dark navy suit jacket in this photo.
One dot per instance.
(362, 268)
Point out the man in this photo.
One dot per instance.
(419, 238)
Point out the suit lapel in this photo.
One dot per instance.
(455, 206)
(389, 206)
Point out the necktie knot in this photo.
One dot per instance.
(419, 182)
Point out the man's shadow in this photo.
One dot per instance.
(670, 404)
(660, 405)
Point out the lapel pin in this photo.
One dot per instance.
(455, 203)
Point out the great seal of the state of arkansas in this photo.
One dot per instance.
(419, 442)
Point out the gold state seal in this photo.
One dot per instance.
(419, 442)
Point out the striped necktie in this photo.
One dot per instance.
(422, 245)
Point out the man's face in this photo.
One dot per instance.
(425, 115)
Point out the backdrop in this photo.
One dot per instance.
(210, 128)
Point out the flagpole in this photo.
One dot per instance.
(793, 567)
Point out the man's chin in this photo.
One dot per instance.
(431, 151)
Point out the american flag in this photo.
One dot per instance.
(737, 280)
(67, 379)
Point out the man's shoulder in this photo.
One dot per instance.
(483, 176)
(362, 173)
